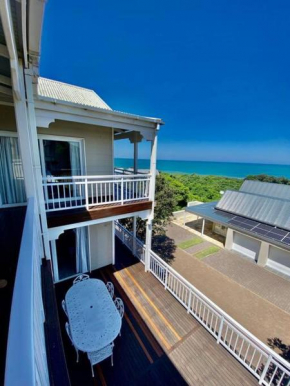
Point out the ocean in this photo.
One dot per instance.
(226, 169)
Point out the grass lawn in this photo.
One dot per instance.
(190, 243)
(206, 252)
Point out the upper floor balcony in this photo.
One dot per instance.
(95, 196)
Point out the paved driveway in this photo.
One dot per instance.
(255, 297)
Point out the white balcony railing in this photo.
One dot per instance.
(91, 191)
(265, 364)
(26, 362)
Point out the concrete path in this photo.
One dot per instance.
(256, 313)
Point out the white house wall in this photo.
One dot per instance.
(98, 144)
(101, 245)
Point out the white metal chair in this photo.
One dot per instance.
(64, 307)
(120, 307)
(81, 277)
(67, 327)
(98, 356)
(110, 288)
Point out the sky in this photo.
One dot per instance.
(216, 72)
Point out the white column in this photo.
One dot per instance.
(153, 161)
(24, 138)
(134, 234)
(135, 157)
(263, 254)
(229, 239)
(54, 260)
(202, 228)
(36, 160)
(148, 244)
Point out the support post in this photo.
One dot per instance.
(135, 157)
(153, 160)
(54, 260)
(202, 229)
(134, 234)
(148, 244)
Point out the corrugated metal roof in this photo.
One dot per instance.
(268, 210)
(53, 89)
(266, 189)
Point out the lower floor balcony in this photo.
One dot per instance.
(160, 343)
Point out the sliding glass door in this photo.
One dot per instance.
(61, 157)
(12, 188)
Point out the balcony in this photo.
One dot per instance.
(160, 342)
(83, 198)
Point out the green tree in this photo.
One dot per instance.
(165, 202)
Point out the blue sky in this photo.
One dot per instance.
(217, 72)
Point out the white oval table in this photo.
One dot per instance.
(94, 320)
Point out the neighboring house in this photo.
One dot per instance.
(57, 166)
(256, 222)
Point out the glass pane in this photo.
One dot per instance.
(62, 158)
(12, 189)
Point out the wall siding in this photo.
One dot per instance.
(101, 245)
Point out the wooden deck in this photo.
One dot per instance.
(70, 216)
(160, 343)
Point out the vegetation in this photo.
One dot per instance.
(193, 187)
(165, 204)
(190, 243)
(206, 252)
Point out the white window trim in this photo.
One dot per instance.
(48, 137)
(14, 134)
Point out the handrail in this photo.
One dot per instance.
(95, 177)
(70, 192)
(263, 362)
(26, 358)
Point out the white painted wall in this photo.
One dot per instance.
(98, 144)
(246, 245)
(279, 259)
(101, 245)
(98, 140)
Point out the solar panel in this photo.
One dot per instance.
(260, 231)
(256, 228)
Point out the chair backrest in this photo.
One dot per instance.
(120, 306)
(67, 327)
(81, 277)
(110, 288)
(98, 356)
(64, 307)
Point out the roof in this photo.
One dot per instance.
(60, 91)
(268, 210)
(266, 189)
(271, 234)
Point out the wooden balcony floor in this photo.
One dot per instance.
(160, 344)
(72, 216)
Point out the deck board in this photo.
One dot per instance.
(160, 344)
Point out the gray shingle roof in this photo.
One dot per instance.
(266, 189)
(268, 210)
(55, 90)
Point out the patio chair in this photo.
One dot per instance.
(96, 357)
(64, 307)
(80, 278)
(120, 307)
(67, 327)
(110, 288)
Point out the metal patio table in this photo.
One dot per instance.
(94, 320)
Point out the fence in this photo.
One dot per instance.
(26, 362)
(91, 191)
(265, 364)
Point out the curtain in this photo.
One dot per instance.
(12, 189)
(75, 158)
(82, 250)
